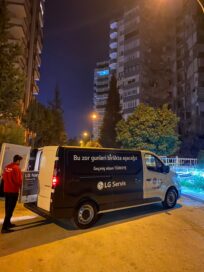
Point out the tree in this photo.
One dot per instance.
(58, 129)
(12, 133)
(151, 129)
(73, 142)
(111, 117)
(38, 121)
(92, 143)
(45, 124)
(11, 77)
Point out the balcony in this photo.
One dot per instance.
(18, 28)
(18, 8)
(39, 44)
(114, 35)
(113, 55)
(113, 45)
(38, 60)
(35, 89)
(41, 19)
(36, 75)
(114, 25)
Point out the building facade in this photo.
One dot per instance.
(101, 89)
(157, 55)
(145, 56)
(26, 28)
(189, 96)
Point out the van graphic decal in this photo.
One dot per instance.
(110, 184)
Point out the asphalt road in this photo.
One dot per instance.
(141, 239)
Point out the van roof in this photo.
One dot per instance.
(101, 148)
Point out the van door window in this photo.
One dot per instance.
(153, 163)
(38, 160)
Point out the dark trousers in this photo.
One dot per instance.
(10, 204)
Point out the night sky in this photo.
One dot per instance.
(76, 35)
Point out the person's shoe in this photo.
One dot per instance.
(12, 225)
(6, 230)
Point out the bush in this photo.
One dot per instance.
(194, 182)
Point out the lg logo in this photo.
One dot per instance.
(100, 185)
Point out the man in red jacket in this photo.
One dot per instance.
(12, 178)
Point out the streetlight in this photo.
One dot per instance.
(85, 134)
(81, 143)
(94, 116)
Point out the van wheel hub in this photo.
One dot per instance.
(85, 214)
(171, 197)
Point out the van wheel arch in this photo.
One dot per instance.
(170, 198)
(85, 213)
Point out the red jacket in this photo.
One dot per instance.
(12, 178)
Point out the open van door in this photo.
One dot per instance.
(46, 169)
(8, 151)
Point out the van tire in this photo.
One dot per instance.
(85, 215)
(170, 199)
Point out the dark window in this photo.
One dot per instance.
(153, 164)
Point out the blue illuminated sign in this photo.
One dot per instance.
(103, 73)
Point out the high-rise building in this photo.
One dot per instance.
(157, 54)
(113, 46)
(26, 24)
(141, 56)
(189, 95)
(101, 88)
(145, 55)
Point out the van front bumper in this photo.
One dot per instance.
(179, 192)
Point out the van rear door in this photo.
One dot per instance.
(46, 169)
(8, 151)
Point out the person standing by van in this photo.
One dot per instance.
(12, 178)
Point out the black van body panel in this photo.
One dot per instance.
(111, 178)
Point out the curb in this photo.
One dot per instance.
(193, 197)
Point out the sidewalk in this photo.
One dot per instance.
(20, 212)
(198, 196)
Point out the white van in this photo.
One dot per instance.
(81, 183)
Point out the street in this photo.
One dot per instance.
(138, 239)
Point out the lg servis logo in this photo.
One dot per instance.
(110, 184)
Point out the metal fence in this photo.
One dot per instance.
(176, 161)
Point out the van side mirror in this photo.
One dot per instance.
(166, 169)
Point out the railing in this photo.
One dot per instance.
(176, 161)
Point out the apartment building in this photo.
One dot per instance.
(145, 56)
(189, 95)
(26, 28)
(157, 53)
(101, 89)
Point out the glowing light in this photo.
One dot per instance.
(94, 116)
(55, 182)
(103, 73)
(85, 134)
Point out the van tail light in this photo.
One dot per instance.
(55, 182)
(55, 177)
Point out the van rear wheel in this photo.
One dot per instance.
(85, 215)
(170, 199)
